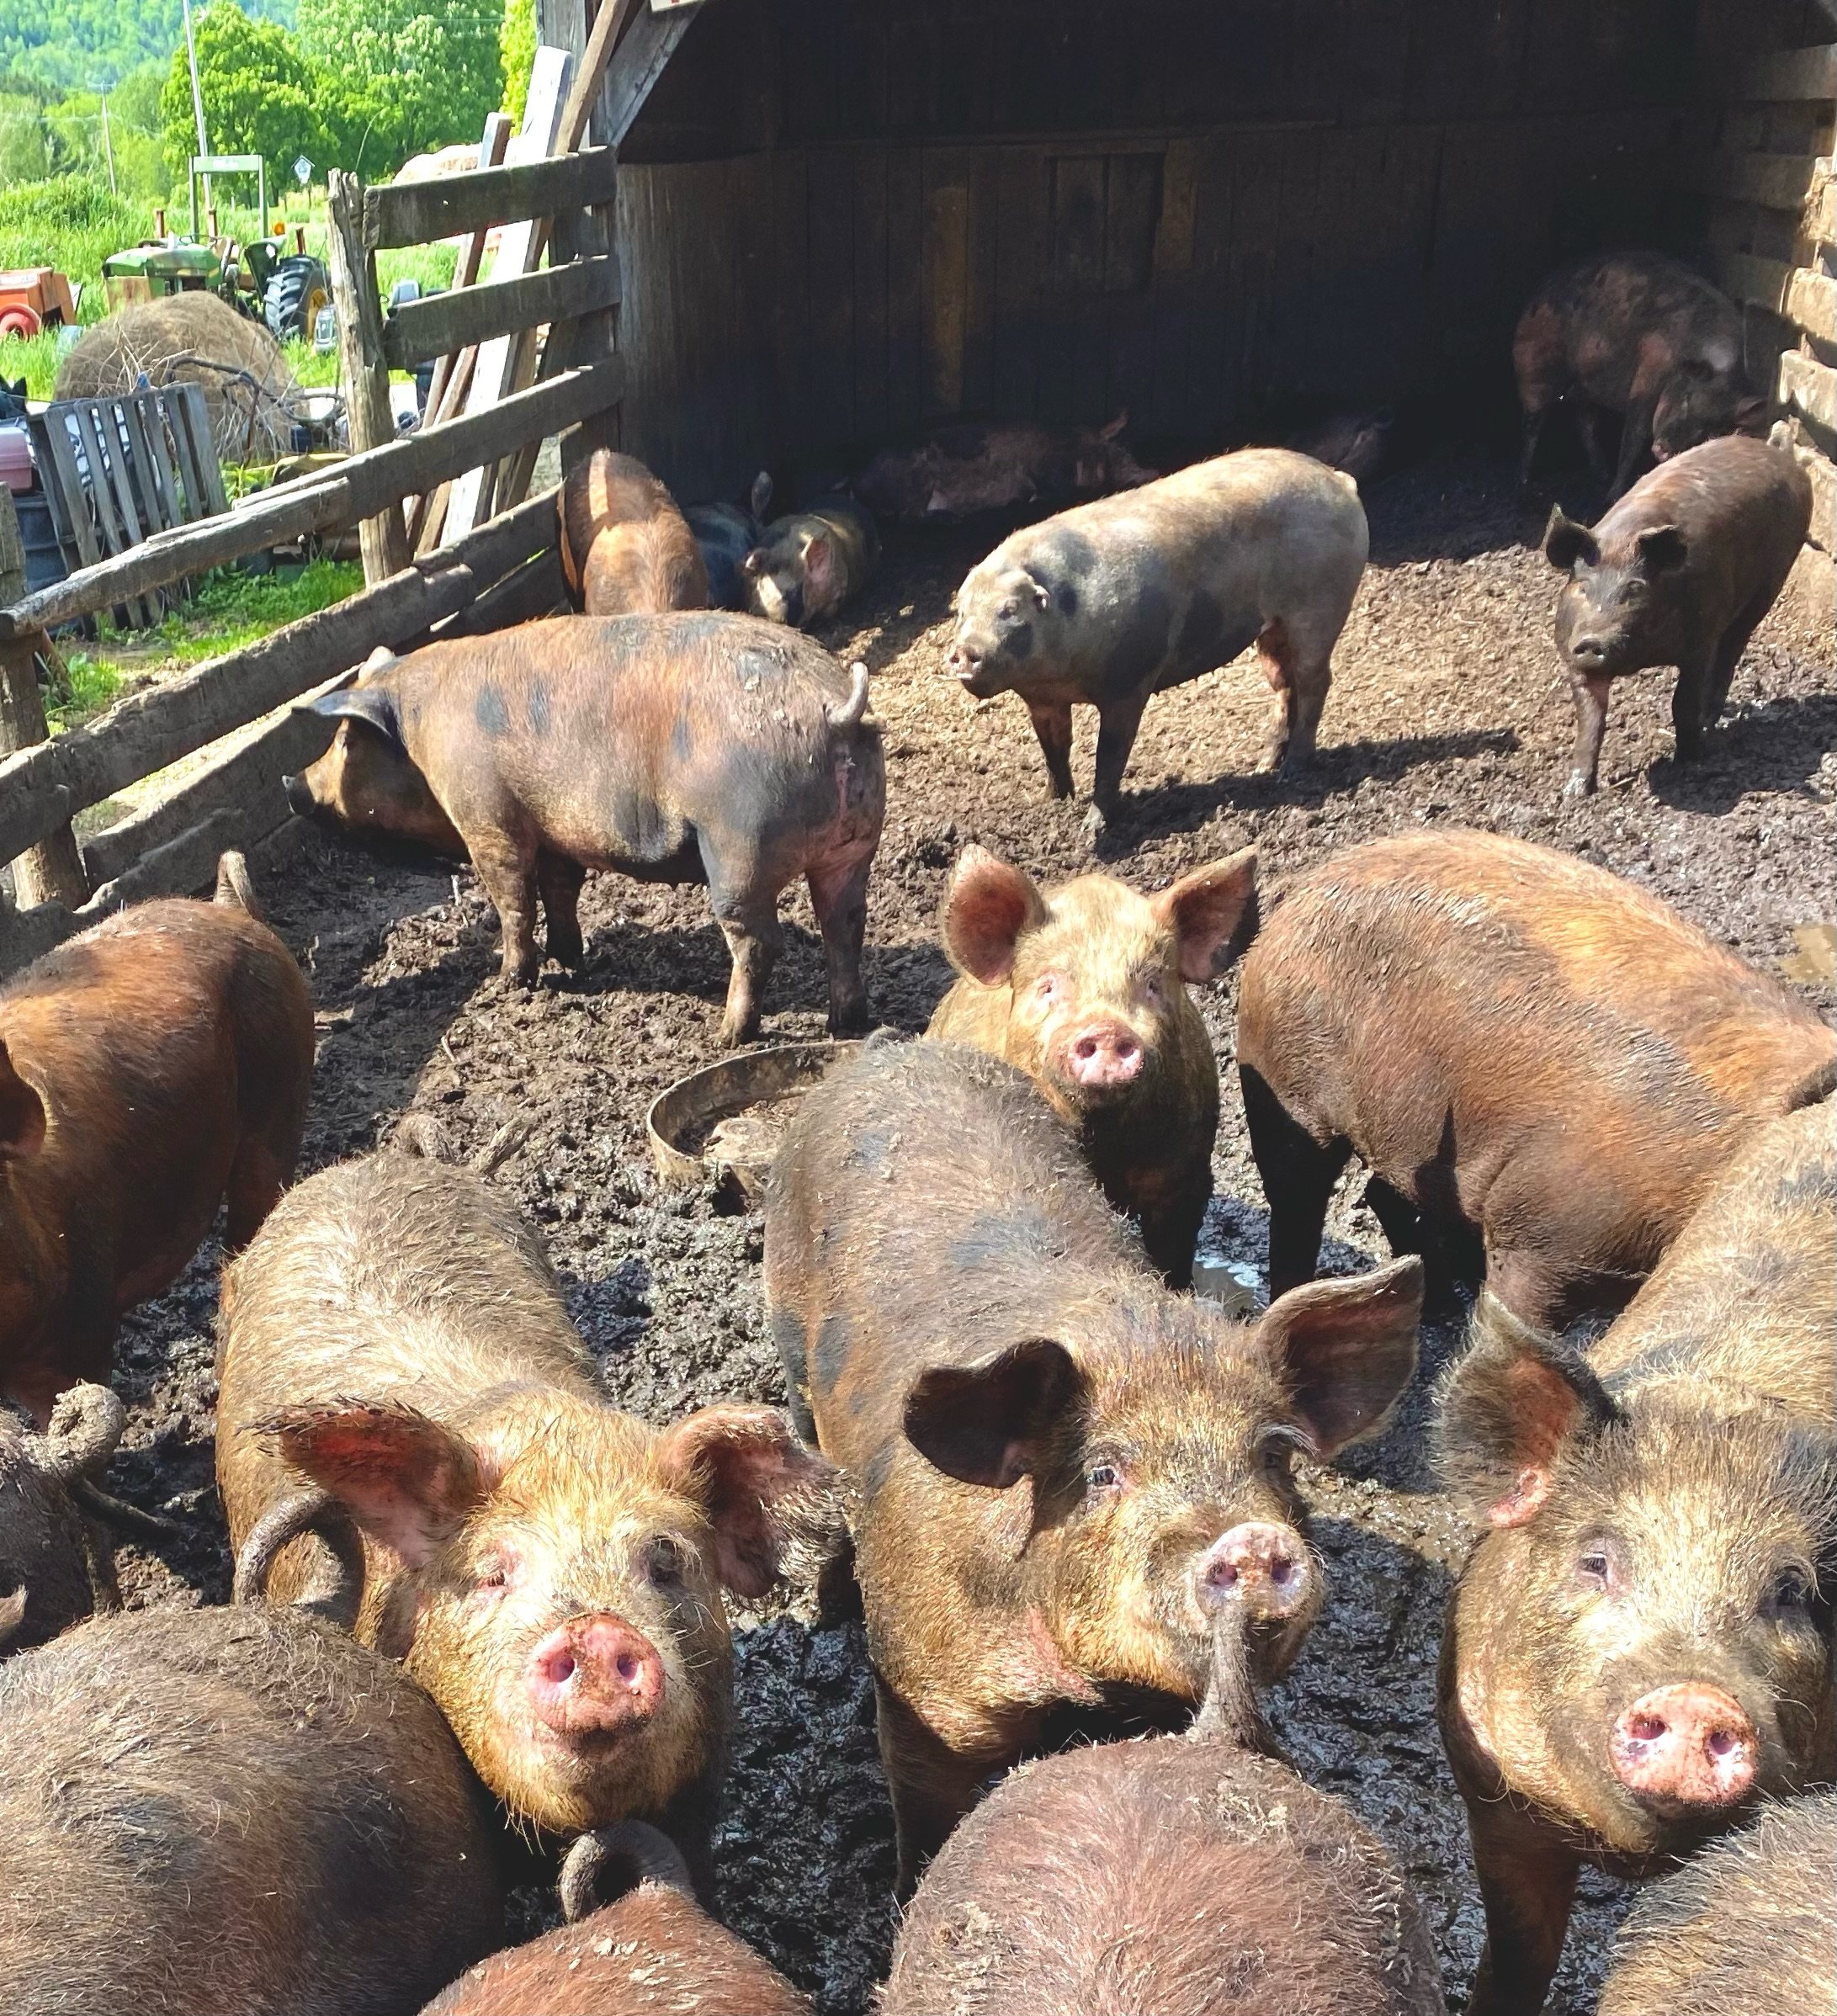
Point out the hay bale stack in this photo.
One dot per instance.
(250, 394)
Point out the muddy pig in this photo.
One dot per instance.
(1359, 443)
(1743, 1930)
(626, 549)
(1527, 1052)
(1640, 1644)
(1182, 1876)
(965, 469)
(153, 1068)
(237, 1810)
(651, 1950)
(807, 565)
(1084, 988)
(1108, 604)
(549, 1569)
(55, 1566)
(688, 747)
(1636, 334)
(1680, 572)
(1064, 1469)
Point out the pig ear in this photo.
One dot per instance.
(991, 1422)
(405, 1480)
(762, 1490)
(1213, 914)
(759, 497)
(1750, 408)
(820, 562)
(755, 562)
(1507, 1409)
(988, 906)
(1566, 541)
(1042, 595)
(21, 1112)
(366, 703)
(1663, 547)
(1345, 1349)
(1115, 428)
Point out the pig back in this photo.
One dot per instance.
(1743, 505)
(231, 1809)
(926, 1208)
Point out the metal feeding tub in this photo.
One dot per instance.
(725, 1121)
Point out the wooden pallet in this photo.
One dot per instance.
(114, 471)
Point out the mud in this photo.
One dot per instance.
(1448, 708)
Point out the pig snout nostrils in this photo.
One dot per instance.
(1260, 1564)
(1103, 1055)
(298, 797)
(1686, 1745)
(595, 1676)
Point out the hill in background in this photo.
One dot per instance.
(91, 44)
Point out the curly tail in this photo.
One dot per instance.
(854, 709)
(234, 891)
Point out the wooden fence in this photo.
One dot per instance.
(496, 563)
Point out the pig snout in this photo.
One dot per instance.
(1103, 1057)
(1686, 1745)
(1260, 1564)
(299, 797)
(595, 1676)
(962, 660)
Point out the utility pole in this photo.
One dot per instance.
(197, 105)
(108, 145)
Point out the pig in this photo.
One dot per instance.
(1639, 1645)
(150, 1068)
(1107, 604)
(965, 469)
(237, 1810)
(626, 550)
(681, 748)
(1680, 572)
(1743, 1930)
(1527, 1052)
(652, 1951)
(807, 565)
(1181, 1876)
(393, 1351)
(1633, 333)
(1062, 1470)
(1357, 442)
(1084, 988)
(726, 533)
(56, 1568)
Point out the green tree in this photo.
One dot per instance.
(26, 146)
(260, 94)
(409, 74)
(517, 47)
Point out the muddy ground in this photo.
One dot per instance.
(1447, 709)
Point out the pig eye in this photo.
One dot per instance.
(1152, 986)
(663, 1560)
(1006, 612)
(1791, 1590)
(1598, 1566)
(1047, 985)
(494, 1575)
(1103, 1476)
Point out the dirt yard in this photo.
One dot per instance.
(1447, 709)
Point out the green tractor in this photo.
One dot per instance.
(260, 278)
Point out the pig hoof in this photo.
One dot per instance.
(850, 1021)
(571, 952)
(1579, 785)
(1096, 824)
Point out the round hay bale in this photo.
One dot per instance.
(251, 396)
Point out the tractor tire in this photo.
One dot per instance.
(20, 320)
(297, 289)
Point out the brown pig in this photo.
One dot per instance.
(1744, 1928)
(967, 469)
(1109, 604)
(549, 1569)
(54, 1566)
(1182, 1876)
(1520, 1047)
(652, 1951)
(232, 1811)
(1636, 334)
(626, 549)
(153, 1068)
(1640, 1645)
(688, 747)
(1680, 572)
(807, 565)
(1064, 1469)
(1084, 988)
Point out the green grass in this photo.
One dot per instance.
(93, 685)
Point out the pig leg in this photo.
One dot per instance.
(1527, 1884)
(1727, 657)
(508, 872)
(1635, 444)
(1691, 703)
(1299, 670)
(839, 896)
(748, 915)
(560, 881)
(1052, 723)
(1116, 727)
(1170, 1230)
(1536, 418)
(1588, 422)
(1298, 1174)
(1590, 725)
(258, 1174)
(931, 1787)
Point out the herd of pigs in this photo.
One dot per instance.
(479, 1626)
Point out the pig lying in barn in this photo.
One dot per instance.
(688, 747)
(1064, 1469)
(1108, 604)
(807, 565)
(394, 1353)
(1680, 572)
(1636, 334)
(1640, 1645)
(966, 469)
(726, 533)
(153, 1068)
(1522, 1049)
(626, 549)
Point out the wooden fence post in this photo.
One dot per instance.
(52, 871)
(384, 538)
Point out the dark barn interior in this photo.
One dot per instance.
(846, 218)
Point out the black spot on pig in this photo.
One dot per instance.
(1070, 553)
(1202, 632)
(1143, 646)
(681, 741)
(835, 1333)
(1019, 642)
(1001, 1235)
(490, 712)
(539, 707)
(1068, 599)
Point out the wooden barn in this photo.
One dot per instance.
(841, 218)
